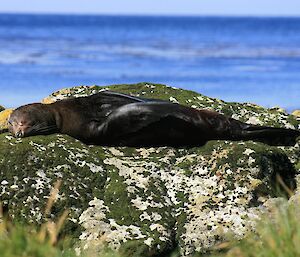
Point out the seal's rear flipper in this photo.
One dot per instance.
(271, 136)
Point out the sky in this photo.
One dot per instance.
(156, 7)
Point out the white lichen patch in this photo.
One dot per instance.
(100, 231)
(208, 227)
(132, 171)
(39, 147)
(115, 151)
(248, 151)
(151, 217)
(4, 182)
(173, 99)
(148, 241)
(143, 205)
(254, 121)
(94, 168)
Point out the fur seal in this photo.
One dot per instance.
(115, 119)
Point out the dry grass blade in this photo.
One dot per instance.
(42, 233)
(52, 198)
(2, 223)
(284, 186)
(222, 246)
(54, 228)
(50, 228)
(1, 210)
(61, 221)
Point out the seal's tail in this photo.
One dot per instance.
(269, 135)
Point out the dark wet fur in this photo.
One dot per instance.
(110, 118)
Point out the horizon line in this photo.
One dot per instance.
(150, 14)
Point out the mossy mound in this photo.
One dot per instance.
(147, 200)
(153, 197)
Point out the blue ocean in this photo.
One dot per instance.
(236, 59)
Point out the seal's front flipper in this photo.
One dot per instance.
(106, 102)
(130, 98)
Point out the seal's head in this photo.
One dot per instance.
(31, 119)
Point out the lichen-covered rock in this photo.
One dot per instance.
(215, 191)
(154, 196)
(4, 115)
(296, 113)
(148, 200)
(71, 92)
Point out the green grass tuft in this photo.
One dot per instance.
(19, 241)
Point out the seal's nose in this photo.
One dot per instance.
(20, 134)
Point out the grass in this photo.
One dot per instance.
(275, 236)
(17, 240)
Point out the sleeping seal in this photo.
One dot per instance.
(114, 119)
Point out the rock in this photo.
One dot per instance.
(69, 92)
(4, 115)
(278, 109)
(150, 199)
(200, 196)
(296, 113)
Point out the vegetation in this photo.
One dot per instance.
(279, 236)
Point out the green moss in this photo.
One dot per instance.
(33, 165)
(154, 91)
(295, 121)
(297, 166)
(118, 200)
